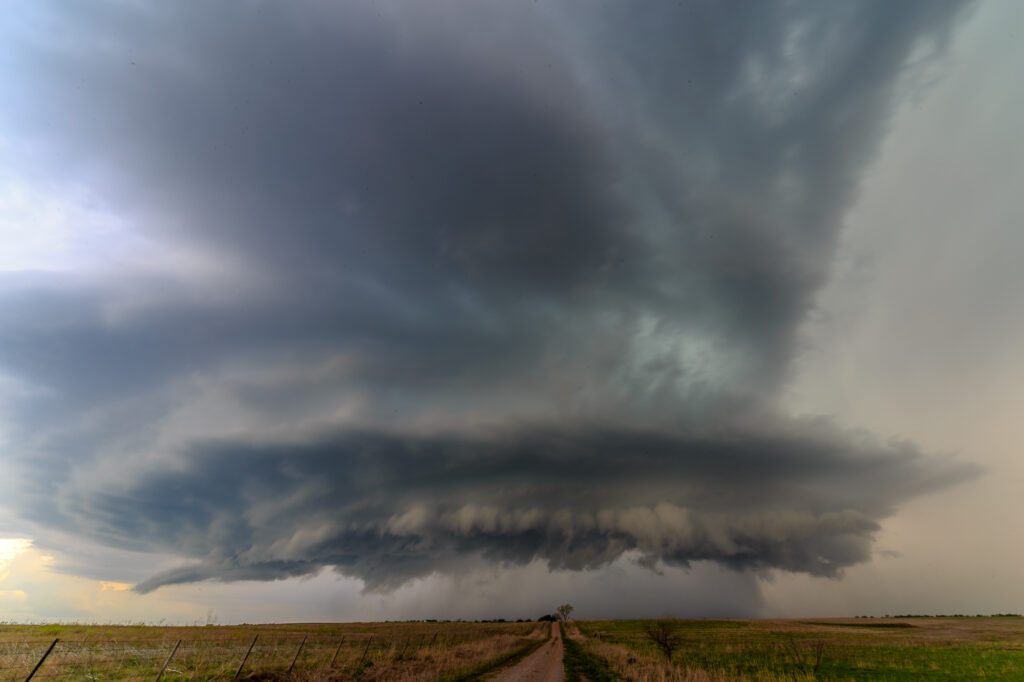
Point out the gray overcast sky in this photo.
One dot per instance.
(315, 312)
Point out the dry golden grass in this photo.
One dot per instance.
(644, 667)
(363, 651)
(433, 663)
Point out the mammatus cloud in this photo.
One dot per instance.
(412, 297)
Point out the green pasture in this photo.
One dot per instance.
(937, 649)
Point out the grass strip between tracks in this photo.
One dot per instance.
(580, 664)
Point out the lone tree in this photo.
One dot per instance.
(665, 636)
(563, 612)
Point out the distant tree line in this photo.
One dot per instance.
(561, 614)
(460, 620)
(952, 615)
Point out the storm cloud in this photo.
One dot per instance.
(404, 288)
(389, 509)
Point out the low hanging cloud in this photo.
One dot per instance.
(388, 509)
(416, 288)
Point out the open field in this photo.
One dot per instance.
(814, 649)
(942, 649)
(364, 651)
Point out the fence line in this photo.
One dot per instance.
(41, 660)
(282, 650)
(168, 661)
(245, 658)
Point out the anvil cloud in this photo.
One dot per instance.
(408, 286)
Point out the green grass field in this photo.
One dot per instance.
(830, 649)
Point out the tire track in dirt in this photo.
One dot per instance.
(543, 665)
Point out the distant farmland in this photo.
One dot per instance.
(907, 648)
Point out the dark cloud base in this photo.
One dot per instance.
(387, 508)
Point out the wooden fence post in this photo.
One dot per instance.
(40, 663)
(297, 652)
(335, 656)
(168, 661)
(246, 657)
(368, 643)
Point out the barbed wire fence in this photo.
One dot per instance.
(222, 658)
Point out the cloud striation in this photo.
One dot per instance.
(422, 287)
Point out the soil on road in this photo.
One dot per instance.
(543, 665)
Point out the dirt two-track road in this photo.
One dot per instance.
(543, 665)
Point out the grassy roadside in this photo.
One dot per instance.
(581, 664)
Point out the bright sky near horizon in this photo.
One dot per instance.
(385, 311)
